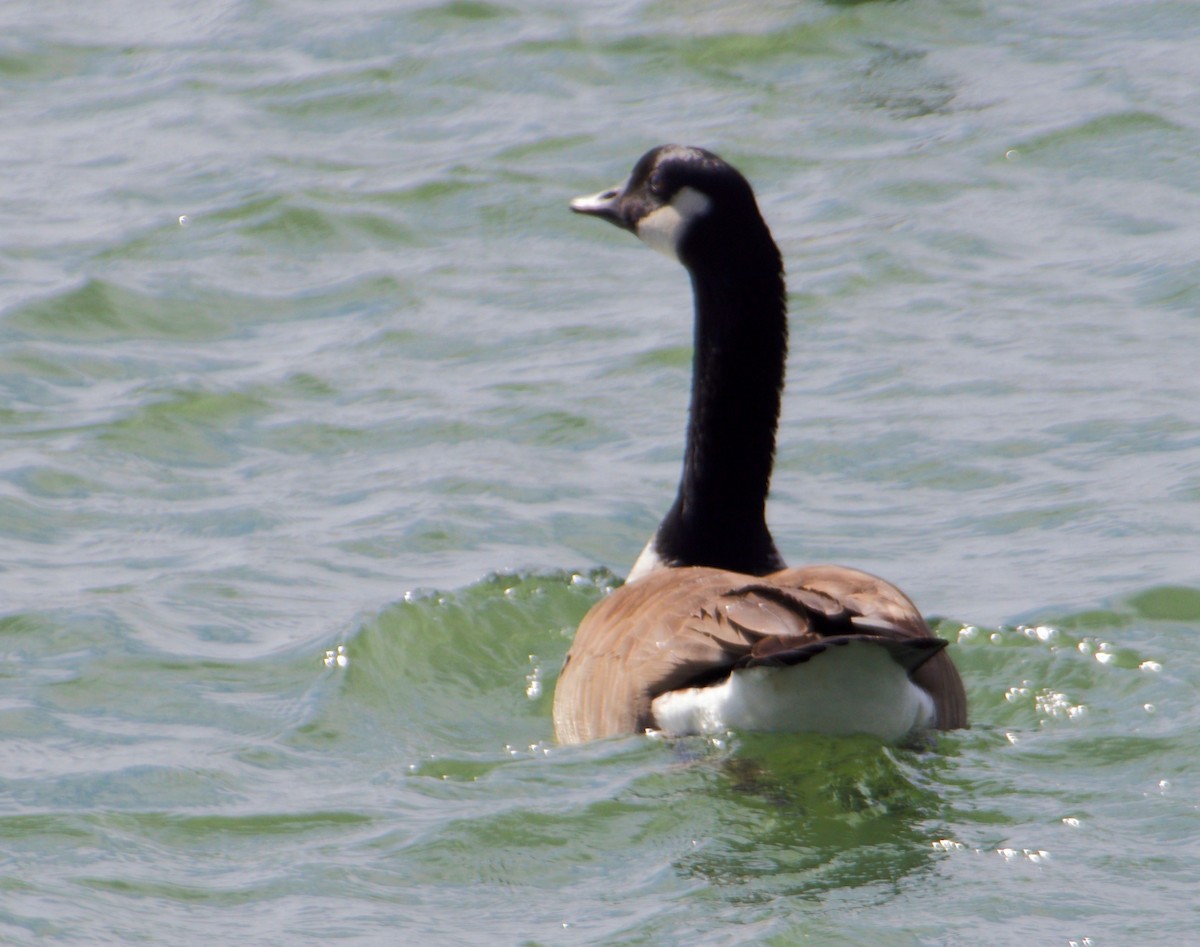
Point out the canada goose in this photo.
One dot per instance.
(711, 630)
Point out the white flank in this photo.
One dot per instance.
(850, 688)
(663, 229)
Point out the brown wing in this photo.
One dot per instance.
(678, 628)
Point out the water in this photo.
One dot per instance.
(324, 422)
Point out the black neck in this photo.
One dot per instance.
(719, 515)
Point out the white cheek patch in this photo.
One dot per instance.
(663, 229)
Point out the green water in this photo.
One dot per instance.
(324, 422)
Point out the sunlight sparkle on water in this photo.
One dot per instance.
(533, 680)
(337, 657)
(1058, 705)
(1037, 856)
(1039, 632)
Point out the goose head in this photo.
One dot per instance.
(687, 203)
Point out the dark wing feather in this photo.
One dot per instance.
(909, 653)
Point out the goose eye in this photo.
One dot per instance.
(656, 184)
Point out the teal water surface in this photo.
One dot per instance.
(324, 422)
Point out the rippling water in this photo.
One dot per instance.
(324, 422)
